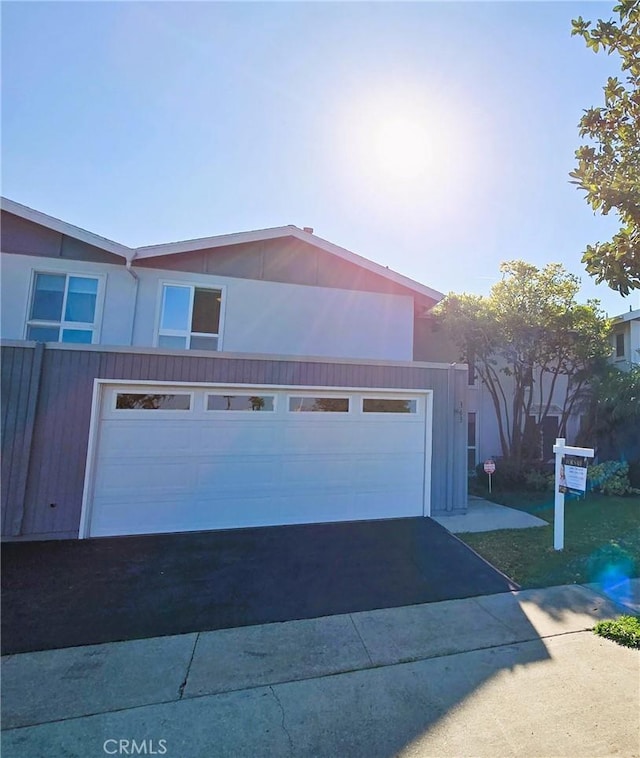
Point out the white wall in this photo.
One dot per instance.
(258, 316)
(292, 319)
(634, 352)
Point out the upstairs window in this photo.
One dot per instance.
(620, 345)
(63, 308)
(190, 318)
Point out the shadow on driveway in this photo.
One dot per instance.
(79, 592)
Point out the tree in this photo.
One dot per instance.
(523, 339)
(612, 413)
(608, 167)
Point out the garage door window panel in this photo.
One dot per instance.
(63, 308)
(190, 317)
(240, 402)
(389, 405)
(319, 404)
(133, 401)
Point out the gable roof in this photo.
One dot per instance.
(29, 214)
(131, 254)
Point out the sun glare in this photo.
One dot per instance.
(402, 141)
(402, 148)
(410, 150)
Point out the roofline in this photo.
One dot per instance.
(220, 240)
(375, 268)
(17, 209)
(628, 316)
(223, 240)
(260, 235)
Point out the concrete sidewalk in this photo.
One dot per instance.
(485, 516)
(514, 674)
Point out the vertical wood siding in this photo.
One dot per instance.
(21, 371)
(46, 410)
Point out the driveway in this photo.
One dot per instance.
(78, 592)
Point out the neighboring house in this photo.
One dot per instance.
(260, 378)
(625, 340)
(483, 437)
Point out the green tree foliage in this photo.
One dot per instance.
(608, 167)
(523, 339)
(612, 413)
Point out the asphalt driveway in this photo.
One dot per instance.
(79, 592)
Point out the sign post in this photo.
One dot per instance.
(489, 468)
(571, 476)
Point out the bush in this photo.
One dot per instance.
(610, 478)
(510, 475)
(634, 473)
(624, 630)
(537, 481)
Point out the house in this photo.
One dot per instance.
(625, 340)
(483, 435)
(260, 378)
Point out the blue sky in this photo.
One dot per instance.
(433, 138)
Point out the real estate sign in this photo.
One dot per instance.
(570, 476)
(573, 474)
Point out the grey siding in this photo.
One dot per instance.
(287, 260)
(28, 238)
(21, 371)
(45, 447)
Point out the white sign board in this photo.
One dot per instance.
(567, 475)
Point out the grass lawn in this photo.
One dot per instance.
(602, 541)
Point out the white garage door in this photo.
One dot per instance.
(183, 458)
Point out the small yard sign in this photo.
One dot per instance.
(489, 468)
(571, 476)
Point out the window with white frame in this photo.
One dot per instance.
(190, 317)
(63, 308)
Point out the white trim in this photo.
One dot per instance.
(29, 214)
(87, 489)
(428, 453)
(98, 399)
(235, 356)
